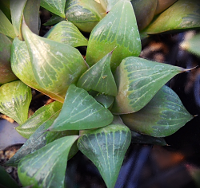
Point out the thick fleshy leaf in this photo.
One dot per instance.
(21, 64)
(118, 29)
(144, 11)
(33, 22)
(192, 45)
(55, 65)
(6, 74)
(106, 148)
(81, 111)
(26, 8)
(55, 6)
(85, 14)
(138, 80)
(39, 117)
(105, 100)
(184, 14)
(67, 33)
(16, 8)
(6, 181)
(38, 140)
(99, 77)
(15, 98)
(46, 167)
(6, 27)
(161, 117)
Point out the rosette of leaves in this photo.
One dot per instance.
(112, 81)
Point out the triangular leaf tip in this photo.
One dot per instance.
(81, 111)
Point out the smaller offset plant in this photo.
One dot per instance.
(99, 100)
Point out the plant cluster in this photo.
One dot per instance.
(102, 99)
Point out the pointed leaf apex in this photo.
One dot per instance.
(190, 69)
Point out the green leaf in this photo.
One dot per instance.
(6, 74)
(46, 167)
(39, 117)
(118, 29)
(6, 27)
(6, 181)
(36, 141)
(144, 11)
(39, 139)
(184, 14)
(67, 33)
(16, 8)
(26, 8)
(85, 14)
(15, 98)
(55, 65)
(192, 45)
(105, 100)
(32, 16)
(138, 80)
(53, 20)
(106, 148)
(55, 6)
(145, 139)
(21, 64)
(162, 116)
(99, 77)
(81, 111)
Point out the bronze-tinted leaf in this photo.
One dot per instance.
(6, 74)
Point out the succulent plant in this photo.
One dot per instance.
(101, 97)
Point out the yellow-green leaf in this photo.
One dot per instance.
(15, 98)
(67, 33)
(183, 14)
(6, 27)
(39, 117)
(85, 14)
(55, 6)
(99, 77)
(118, 29)
(55, 65)
(138, 80)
